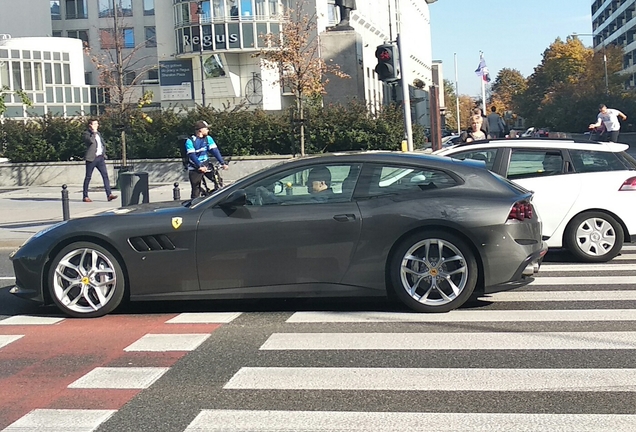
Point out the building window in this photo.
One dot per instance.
(153, 74)
(55, 10)
(79, 34)
(149, 7)
(57, 33)
(151, 37)
(129, 38)
(106, 9)
(107, 39)
(76, 9)
(129, 77)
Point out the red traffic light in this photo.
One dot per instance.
(384, 55)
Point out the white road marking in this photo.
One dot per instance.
(30, 320)
(434, 379)
(168, 342)
(629, 248)
(120, 378)
(585, 280)
(547, 296)
(6, 278)
(7, 339)
(452, 341)
(585, 267)
(204, 318)
(338, 421)
(464, 315)
(55, 420)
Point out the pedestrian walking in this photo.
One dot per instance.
(496, 125)
(475, 132)
(608, 117)
(197, 148)
(484, 121)
(95, 157)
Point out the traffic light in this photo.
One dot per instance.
(388, 62)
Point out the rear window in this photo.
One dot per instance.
(627, 159)
(397, 180)
(585, 161)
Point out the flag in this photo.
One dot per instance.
(482, 70)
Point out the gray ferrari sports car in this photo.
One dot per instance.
(431, 230)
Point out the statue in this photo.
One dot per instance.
(346, 6)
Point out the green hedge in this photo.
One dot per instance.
(240, 133)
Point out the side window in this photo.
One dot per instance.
(486, 155)
(594, 161)
(526, 163)
(381, 180)
(307, 185)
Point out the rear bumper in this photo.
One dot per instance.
(523, 275)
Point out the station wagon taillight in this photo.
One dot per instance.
(521, 210)
(629, 184)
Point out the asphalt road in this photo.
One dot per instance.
(556, 355)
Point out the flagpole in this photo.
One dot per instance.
(483, 87)
(459, 131)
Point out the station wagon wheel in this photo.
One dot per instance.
(594, 237)
(86, 280)
(433, 272)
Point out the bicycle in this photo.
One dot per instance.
(215, 171)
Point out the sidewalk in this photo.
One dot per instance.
(25, 211)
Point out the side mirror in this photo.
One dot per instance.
(234, 199)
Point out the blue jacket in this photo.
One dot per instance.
(197, 150)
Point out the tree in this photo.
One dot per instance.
(119, 73)
(295, 52)
(508, 86)
(5, 91)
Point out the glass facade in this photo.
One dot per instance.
(226, 24)
(106, 8)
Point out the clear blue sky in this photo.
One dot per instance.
(512, 34)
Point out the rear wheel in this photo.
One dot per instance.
(433, 272)
(594, 237)
(86, 280)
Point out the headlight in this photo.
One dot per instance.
(44, 231)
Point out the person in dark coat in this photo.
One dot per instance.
(95, 157)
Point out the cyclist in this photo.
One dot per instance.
(197, 148)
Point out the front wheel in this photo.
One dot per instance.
(594, 237)
(86, 280)
(433, 272)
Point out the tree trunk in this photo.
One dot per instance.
(301, 117)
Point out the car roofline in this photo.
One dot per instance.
(542, 143)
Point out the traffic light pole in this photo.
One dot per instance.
(406, 98)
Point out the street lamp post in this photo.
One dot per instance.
(604, 56)
(200, 14)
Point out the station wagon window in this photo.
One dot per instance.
(307, 185)
(486, 155)
(525, 163)
(397, 180)
(594, 161)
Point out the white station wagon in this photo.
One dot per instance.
(585, 192)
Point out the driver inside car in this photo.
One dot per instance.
(319, 184)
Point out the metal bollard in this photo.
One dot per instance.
(66, 214)
(176, 192)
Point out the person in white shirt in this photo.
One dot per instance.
(95, 157)
(609, 118)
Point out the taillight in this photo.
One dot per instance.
(629, 185)
(521, 210)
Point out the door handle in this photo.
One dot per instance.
(345, 217)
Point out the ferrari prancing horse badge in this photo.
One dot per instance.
(176, 222)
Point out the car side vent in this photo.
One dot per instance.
(152, 243)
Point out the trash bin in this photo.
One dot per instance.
(134, 188)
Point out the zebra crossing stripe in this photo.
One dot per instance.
(434, 379)
(625, 257)
(7, 339)
(337, 421)
(585, 280)
(30, 320)
(76, 420)
(586, 267)
(452, 341)
(629, 248)
(547, 296)
(463, 315)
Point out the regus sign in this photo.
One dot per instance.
(207, 39)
